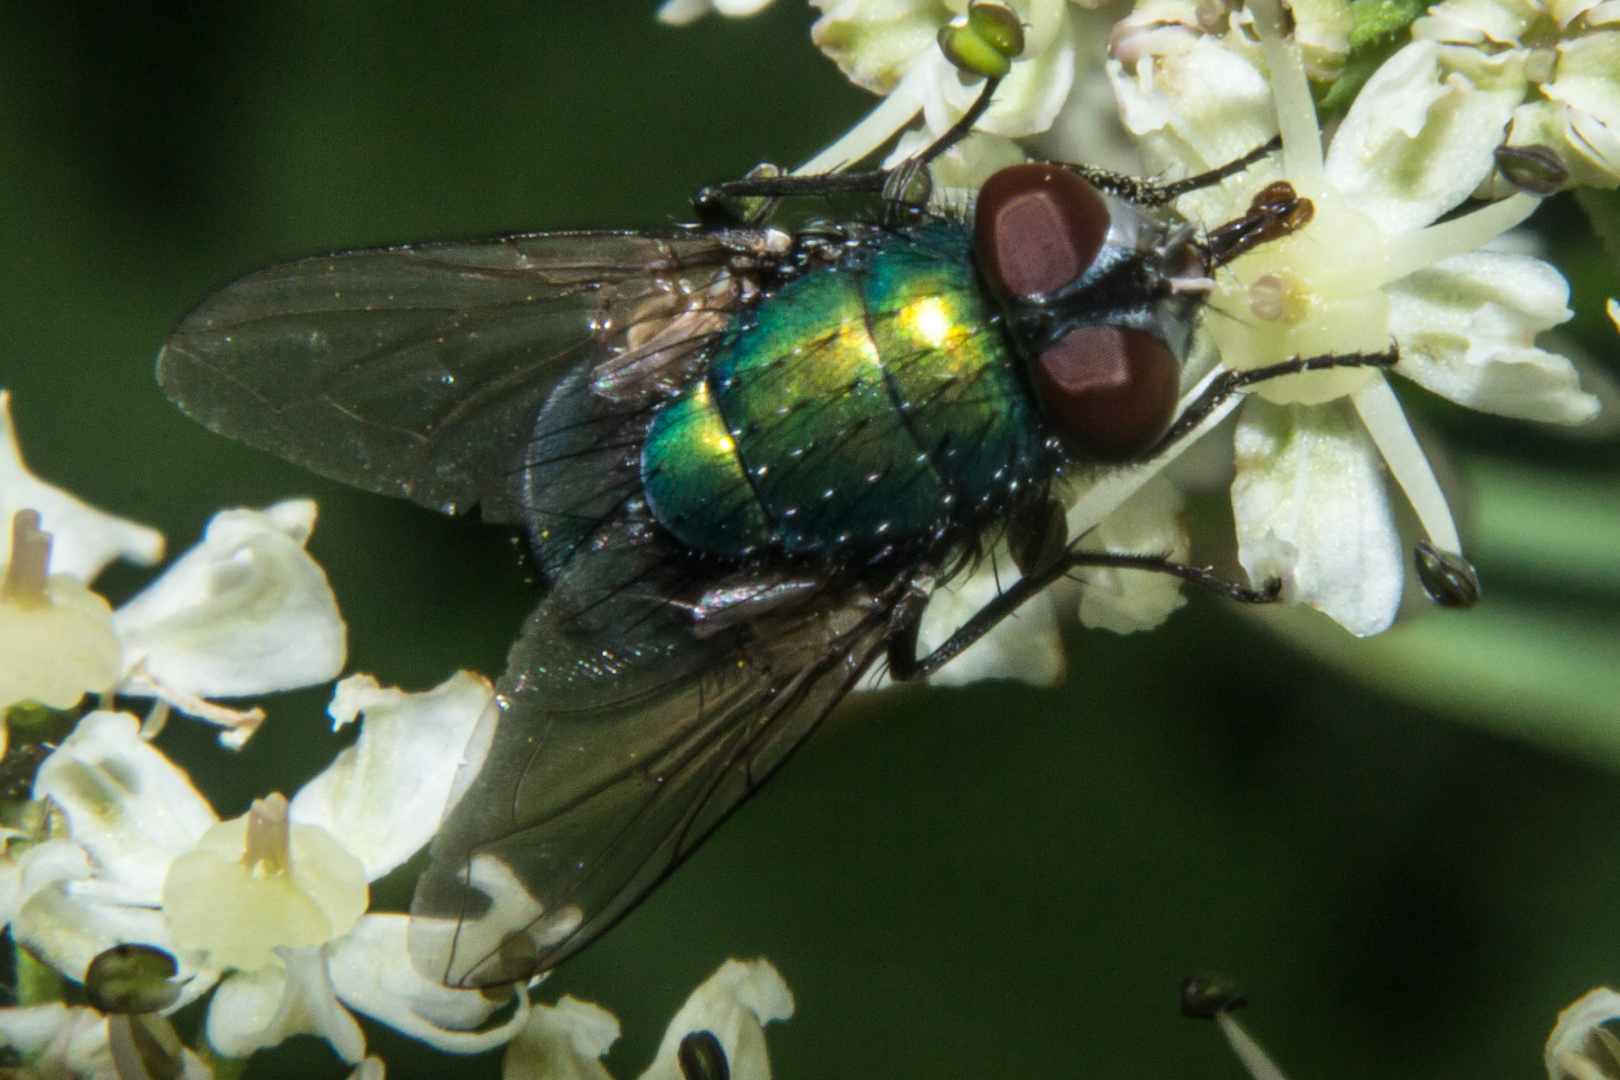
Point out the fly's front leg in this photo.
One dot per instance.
(1144, 192)
(1232, 382)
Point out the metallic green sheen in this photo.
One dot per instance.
(864, 403)
(697, 480)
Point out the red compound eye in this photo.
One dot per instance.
(1111, 392)
(1036, 228)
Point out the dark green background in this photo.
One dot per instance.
(994, 882)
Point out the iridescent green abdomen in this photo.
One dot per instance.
(869, 402)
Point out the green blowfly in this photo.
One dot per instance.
(744, 457)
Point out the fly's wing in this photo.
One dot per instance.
(418, 371)
(627, 732)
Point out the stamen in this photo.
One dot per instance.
(891, 115)
(27, 574)
(1410, 252)
(1381, 411)
(1296, 111)
(267, 849)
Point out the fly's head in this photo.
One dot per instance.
(1102, 300)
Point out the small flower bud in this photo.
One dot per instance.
(701, 1057)
(1449, 579)
(131, 979)
(1205, 996)
(987, 43)
(1535, 168)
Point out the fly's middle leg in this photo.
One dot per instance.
(905, 665)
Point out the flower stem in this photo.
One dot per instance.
(1255, 1059)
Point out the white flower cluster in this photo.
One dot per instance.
(268, 910)
(245, 612)
(1371, 269)
(1394, 255)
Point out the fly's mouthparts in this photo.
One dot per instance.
(1277, 211)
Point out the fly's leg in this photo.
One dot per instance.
(718, 203)
(1448, 578)
(1231, 382)
(726, 204)
(905, 665)
(1144, 192)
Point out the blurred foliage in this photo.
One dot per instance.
(1406, 850)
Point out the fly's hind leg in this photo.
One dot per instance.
(905, 665)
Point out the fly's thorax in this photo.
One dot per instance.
(866, 405)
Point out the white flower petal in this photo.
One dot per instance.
(1150, 522)
(38, 866)
(1416, 143)
(1588, 76)
(258, 1009)
(1312, 509)
(60, 1041)
(66, 931)
(1574, 1041)
(1026, 645)
(56, 648)
(371, 971)
(371, 1068)
(385, 796)
(734, 1004)
(683, 12)
(1467, 328)
(565, 1041)
(1473, 21)
(1196, 110)
(875, 45)
(246, 611)
(220, 900)
(1088, 127)
(128, 806)
(84, 539)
